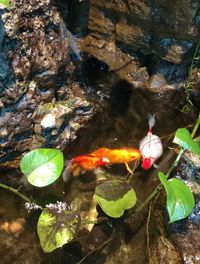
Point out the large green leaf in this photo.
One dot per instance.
(5, 3)
(183, 139)
(180, 200)
(56, 228)
(114, 197)
(42, 166)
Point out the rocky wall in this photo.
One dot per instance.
(169, 29)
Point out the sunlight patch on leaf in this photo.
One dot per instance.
(183, 139)
(42, 166)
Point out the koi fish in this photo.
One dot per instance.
(150, 146)
(86, 162)
(100, 157)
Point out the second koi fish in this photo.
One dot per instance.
(150, 146)
(104, 156)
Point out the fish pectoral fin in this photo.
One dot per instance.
(76, 170)
(128, 168)
(155, 165)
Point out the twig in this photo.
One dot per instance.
(147, 229)
(98, 248)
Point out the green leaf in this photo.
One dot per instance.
(42, 166)
(56, 228)
(183, 139)
(114, 197)
(180, 200)
(5, 3)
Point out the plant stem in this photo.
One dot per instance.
(24, 197)
(192, 63)
(174, 164)
(149, 198)
(196, 126)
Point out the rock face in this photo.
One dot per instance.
(147, 46)
(166, 28)
(34, 53)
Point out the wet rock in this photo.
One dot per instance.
(41, 31)
(23, 248)
(148, 27)
(164, 252)
(195, 93)
(59, 123)
(160, 246)
(171, 49)
(186, 238)
(126, 66)
(78, 13)
(157, 81)
(132, 251)
(34, 71)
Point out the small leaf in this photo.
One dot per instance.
(114, 197)
(5, 3)
(183, 139)
(180, 200)
(56, 228)
(42, 166)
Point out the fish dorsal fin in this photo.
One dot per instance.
(151, 121)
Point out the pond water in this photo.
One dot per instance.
(121, 121)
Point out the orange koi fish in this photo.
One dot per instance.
(86, 162)
(150, 146)
(104, 156)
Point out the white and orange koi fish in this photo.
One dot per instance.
(150, 146)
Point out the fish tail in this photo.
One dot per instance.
(67, 171)
(151, 121)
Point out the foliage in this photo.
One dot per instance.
(42, 166)
(184, 140)
(189, 83)
(180, 200)
(5, 3)
(57, 227)
(114, 197)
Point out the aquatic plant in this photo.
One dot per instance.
(189, 82)
(58, 223)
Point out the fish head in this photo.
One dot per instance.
(147, 163)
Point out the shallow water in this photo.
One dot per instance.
(122, 122)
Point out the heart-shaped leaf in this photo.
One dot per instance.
(56, 228)
(180, 200)
(5, 3)
(42, 166)
(114, 197)
(183, 139)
